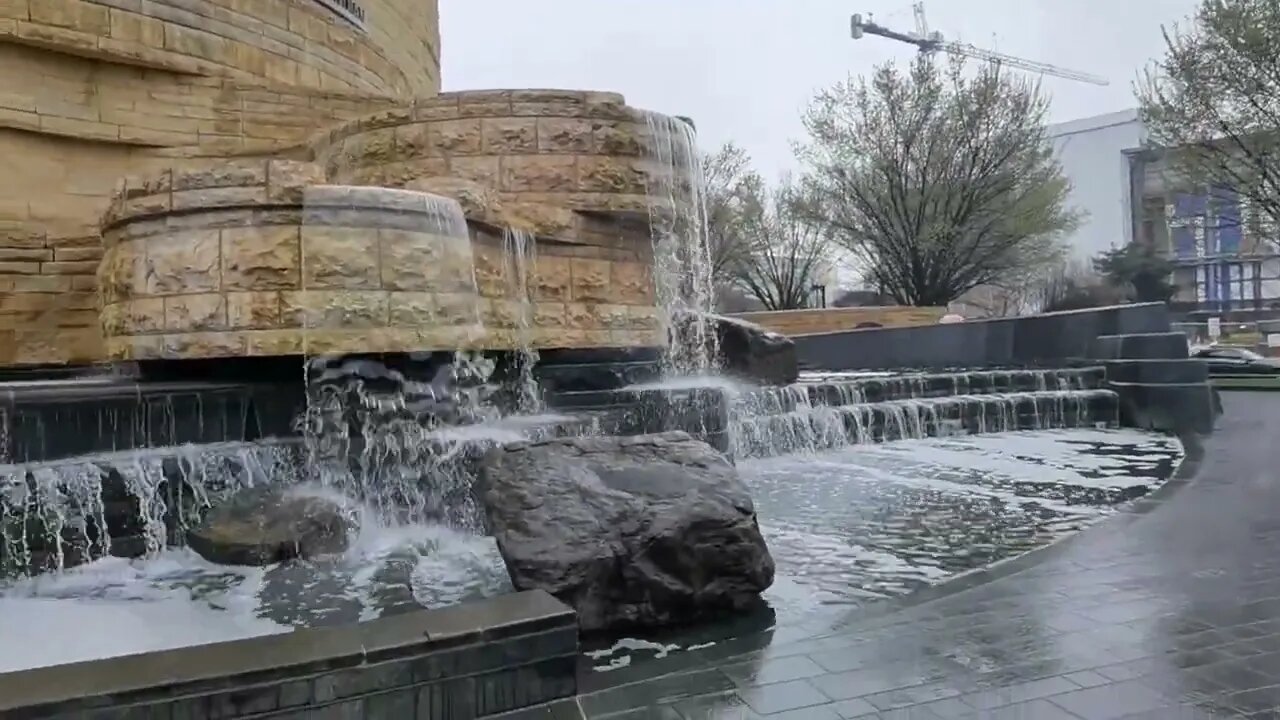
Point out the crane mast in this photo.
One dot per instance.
(931, 42)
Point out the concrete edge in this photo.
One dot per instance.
(398, 653)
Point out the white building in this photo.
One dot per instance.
(1092, 153)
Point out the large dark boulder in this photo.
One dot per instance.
(642, 531)
(261, 526)
(745, 349)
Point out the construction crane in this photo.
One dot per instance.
(931, 42)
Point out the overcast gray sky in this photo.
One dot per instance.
(743, 69)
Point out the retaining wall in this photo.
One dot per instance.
(461, 662)
(1048, 339)
(825, 320)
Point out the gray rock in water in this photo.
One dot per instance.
(745, 349)
(644, 531)
(261, 526)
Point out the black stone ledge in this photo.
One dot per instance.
(431, 644)
(1141, 346)
(1157, 371)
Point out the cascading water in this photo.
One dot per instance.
(681, 253)
(520, 252)
(812, 417)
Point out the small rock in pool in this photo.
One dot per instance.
(262, 526)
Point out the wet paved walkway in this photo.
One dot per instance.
(1170, 611)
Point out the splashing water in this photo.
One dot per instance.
(682, 262)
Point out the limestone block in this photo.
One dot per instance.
(611, 317)
(457, 310)
(424, 261)
(203, 345)
(188, 313)
(565, 135)
(541, 219)
(334, 309)
(579, 316)
(338, 257)
(374, 147)
(632, 283)
(457, 137)
(509, 136)
(227, 174)
(146, 205)
(552, 279)
(260, 258)
(273, 342)
(219, 197)
(414, 141)
(253, 310)
(490, 271)
(287, 181)
(482, 169)
(619, 139)
(142, 316)
(549, 315)
(412, 309)
(184, 262)
(402, 174)
(591, 280)
(539, 173)
(498, 313)
(643, 318)
(610, 174)
(477, 200)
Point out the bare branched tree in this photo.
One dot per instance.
(1213, 101)
(937, 180)
(784, 253)
(731, 188)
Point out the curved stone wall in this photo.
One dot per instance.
(263, 258)
(300, 43)
(545, 154)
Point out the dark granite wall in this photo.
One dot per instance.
(1051, 339)
(462, 662)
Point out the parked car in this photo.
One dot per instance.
(1236, 361)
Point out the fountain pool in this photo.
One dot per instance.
(845, 526)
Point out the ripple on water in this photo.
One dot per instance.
(870, 522)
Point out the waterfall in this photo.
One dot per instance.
(520, 252)
(59, 513)
(832, 413)
(682, 263)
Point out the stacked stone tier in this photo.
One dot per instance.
(263, 258)
(542, 157)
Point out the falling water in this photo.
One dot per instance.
(675, 190)
(832, 413)
(54, 514)
(520, 252)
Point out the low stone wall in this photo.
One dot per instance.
(1049, 339)
(461, 662)
(824, 320)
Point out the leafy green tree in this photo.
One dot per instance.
(1139, 271)
(1213, 101)
(936, 180)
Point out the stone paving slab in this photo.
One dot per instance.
(1170, 611)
